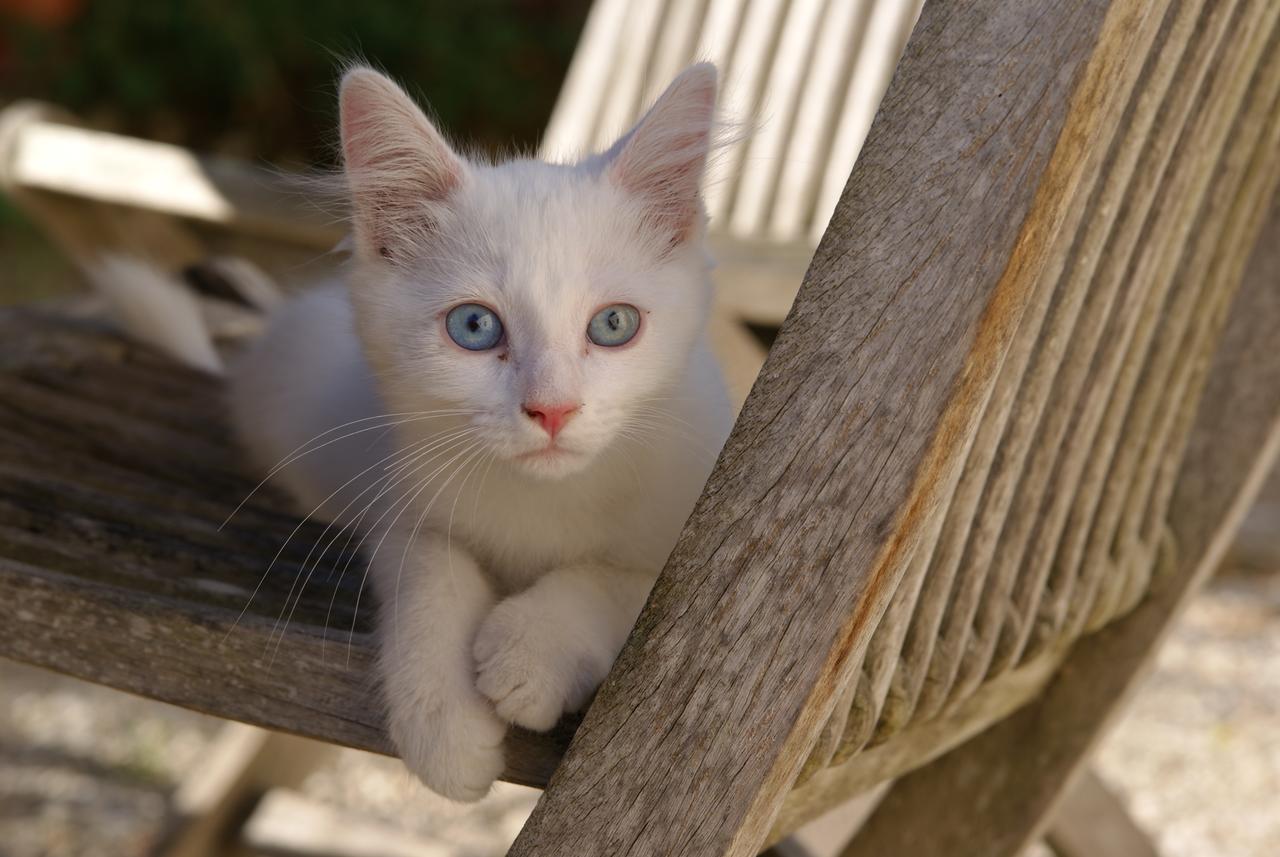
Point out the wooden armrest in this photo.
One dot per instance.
(965, 192)
(116, 471)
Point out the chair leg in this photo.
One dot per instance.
(1092, 822)
(243, 763)
(785, 848)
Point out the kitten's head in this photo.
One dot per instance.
(549, 302)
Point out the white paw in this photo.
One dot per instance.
(456, 749)
(532, 672)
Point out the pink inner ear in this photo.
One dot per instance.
(671, 186)
(397, 164)
(662, 159)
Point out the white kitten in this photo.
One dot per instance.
(535, 337)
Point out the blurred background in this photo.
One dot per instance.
(259, 80)
(89, 771)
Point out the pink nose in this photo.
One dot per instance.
(551, 417)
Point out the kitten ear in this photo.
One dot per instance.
(398, 167)
(663, 157)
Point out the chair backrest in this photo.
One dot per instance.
(806, 74)
(961, 452)
(1057, 523)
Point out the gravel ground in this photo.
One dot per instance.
(86, 771)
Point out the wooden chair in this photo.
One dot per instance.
(1021, 402)
(802, 77)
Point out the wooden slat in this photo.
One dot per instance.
(1112, 309)
(116, 469)
(795, 547)
(915, 747)
(1008, 793)
(767, 146)
(1092, 822)
(809, 145)
(1190, 187)
(1199, 289)
(629, 71)
(741, 93)
(142, 174)
(1058, 457)
(573, 121)
(675, 46)
(993, 462)
(882, 41)
(1156, 432)
(720, 31)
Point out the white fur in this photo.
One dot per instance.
(507, 579)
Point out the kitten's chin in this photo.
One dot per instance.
(552, 463)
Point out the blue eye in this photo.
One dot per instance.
(474, 327)
(614, 325)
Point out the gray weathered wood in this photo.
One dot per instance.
(991, 170)
(834, 468)
(1010, 792)
(952, 573)
(1092, 822)
(116, 470)
(218, 791)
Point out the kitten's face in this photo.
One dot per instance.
(555, 305)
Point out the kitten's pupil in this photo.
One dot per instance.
(474, 327)
(614, 320)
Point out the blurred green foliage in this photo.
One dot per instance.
(258, 79)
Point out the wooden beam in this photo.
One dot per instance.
(117, 469)
(1092, 822)
(218, 792)
(863, 408)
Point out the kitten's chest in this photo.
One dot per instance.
(521, 532)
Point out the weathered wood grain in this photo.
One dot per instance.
(835, 467)
(116, 470)
(1253, 70)
(998, 282)
(1010, 793)
(900, 656)
(968, 645)
(915, 746)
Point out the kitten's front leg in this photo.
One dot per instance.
(544, 651)
(431, 608)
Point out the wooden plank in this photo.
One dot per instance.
(817, 112)
(116, 470)
(952, 581)
(996, 548)
(1092, 822)
(833, 469)
(209, 805)
(766, 147)
(881, 40)
(1010, 793)
(285, 824)
(914, 747)
(574, 118)
(49, 156)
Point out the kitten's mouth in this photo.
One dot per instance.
(552, 461)
(550, 452)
